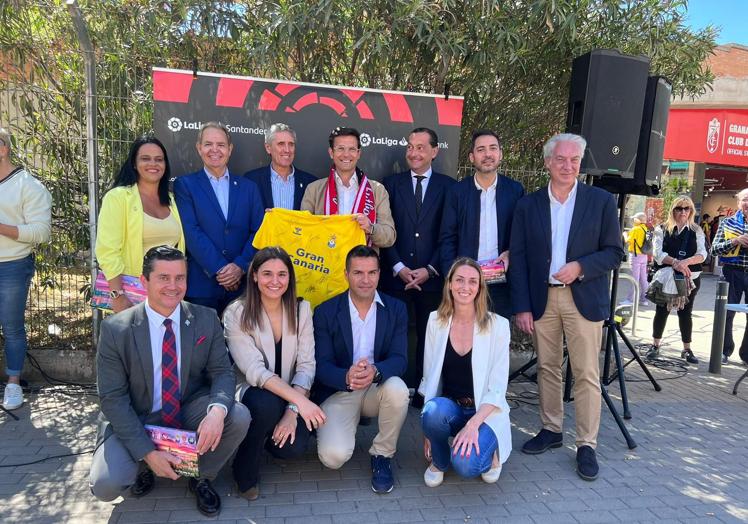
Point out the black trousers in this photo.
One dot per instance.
(738, 280)
(420, 305)
(501, 300)
(685, 322)
(266, 410)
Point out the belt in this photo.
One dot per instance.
(733, 267)
(556, 285)
(465, 402)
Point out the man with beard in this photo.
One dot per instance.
(477, 218)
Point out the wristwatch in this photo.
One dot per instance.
(293, 407)
(116, 293)
(431, 271)
(377, 377)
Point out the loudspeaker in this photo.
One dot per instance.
(648, 168)
(606, 103)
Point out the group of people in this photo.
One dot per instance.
(222, 321)
(301, 373)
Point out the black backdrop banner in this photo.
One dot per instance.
(248, 106)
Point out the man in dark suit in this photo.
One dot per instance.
(163, 362)
(220, 215)
(281, 184)
(361, 346)
(410, 265)
(478, 213)
(566, 240)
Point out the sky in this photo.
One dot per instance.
(730, 15)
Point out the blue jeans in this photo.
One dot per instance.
(442, 418)
(15, 278)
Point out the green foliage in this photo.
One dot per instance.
(672, 187)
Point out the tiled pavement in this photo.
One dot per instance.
(691, 464)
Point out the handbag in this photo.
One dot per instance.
(102, 299)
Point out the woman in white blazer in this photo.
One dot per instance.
(465, 374)
(270, 337)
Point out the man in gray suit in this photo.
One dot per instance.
(149, 373)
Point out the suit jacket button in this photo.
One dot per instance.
(224, 252)
(418, 235)
(411, 254)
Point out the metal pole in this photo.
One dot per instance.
(718, 333)
(92, 153)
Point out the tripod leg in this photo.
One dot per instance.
(568, 381)
(606, 366)
(525, 367)
(638, 359)
(621, 378)
(14, 417)
(626, 435)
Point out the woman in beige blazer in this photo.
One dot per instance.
(270, 337)
(465, 374)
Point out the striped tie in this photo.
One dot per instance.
(170, 379)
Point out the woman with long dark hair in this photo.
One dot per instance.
(679, 243)
(138, 213)
(465, 375)
(271, 338)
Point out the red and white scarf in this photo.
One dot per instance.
(364, 202)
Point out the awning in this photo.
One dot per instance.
(711, 136)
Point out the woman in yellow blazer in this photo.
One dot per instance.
(138, 213)
(271, 339)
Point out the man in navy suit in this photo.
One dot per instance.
(220, 215)
(410, 265)
(281, 184)
(361, 347)
(566, 240)
(478, 213)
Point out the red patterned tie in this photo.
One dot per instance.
(170, 379)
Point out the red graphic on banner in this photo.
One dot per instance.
(170, 86)
(232, 92)
(398, 107)
(708, 135)
(449, 112)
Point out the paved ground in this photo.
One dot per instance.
(691, 463)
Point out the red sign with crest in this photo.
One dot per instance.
(712, 136)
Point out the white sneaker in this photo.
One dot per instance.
(492, 475)
(433, 478)
(13, 398)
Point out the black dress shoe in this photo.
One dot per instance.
(144, 484)
(208, 501)
(587, 467)
(542, 442)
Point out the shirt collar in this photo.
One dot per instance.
(492, 186)
(426, 175)
(274, 173)
(353, 185)
(158, 318)
(377, 300)
(572, 194)
(211, 177)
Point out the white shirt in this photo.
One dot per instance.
(560, 224)
(424, 183)
(364, 331)
(488, 236)
(659, 255)
(156, 329)
(220, 187)
(346, 195)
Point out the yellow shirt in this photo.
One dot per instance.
(317, 245)
(636, 238)
(160, 231)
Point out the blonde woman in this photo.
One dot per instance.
(679, 243)
(466, 369)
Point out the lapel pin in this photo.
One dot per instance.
(234, 182)
(187, 322)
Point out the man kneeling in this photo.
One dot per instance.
(163, 362)
(361, 351)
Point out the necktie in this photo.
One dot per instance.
(419, 192)
(170, 401)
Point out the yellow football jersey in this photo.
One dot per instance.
(317, 245)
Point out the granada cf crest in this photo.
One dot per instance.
(712, 135)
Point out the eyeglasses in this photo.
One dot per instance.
(679, 209)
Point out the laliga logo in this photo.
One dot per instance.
(712, 135)
(365, 139)
(174, 124)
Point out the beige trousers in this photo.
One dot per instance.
(336, 438)
(583, 339)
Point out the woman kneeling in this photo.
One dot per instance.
(466, 368)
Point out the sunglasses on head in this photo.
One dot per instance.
(681, 209)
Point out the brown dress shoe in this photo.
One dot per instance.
(252, 493)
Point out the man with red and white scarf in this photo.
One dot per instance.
(347, 190)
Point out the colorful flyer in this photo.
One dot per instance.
(178, 442)
(493, 271)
